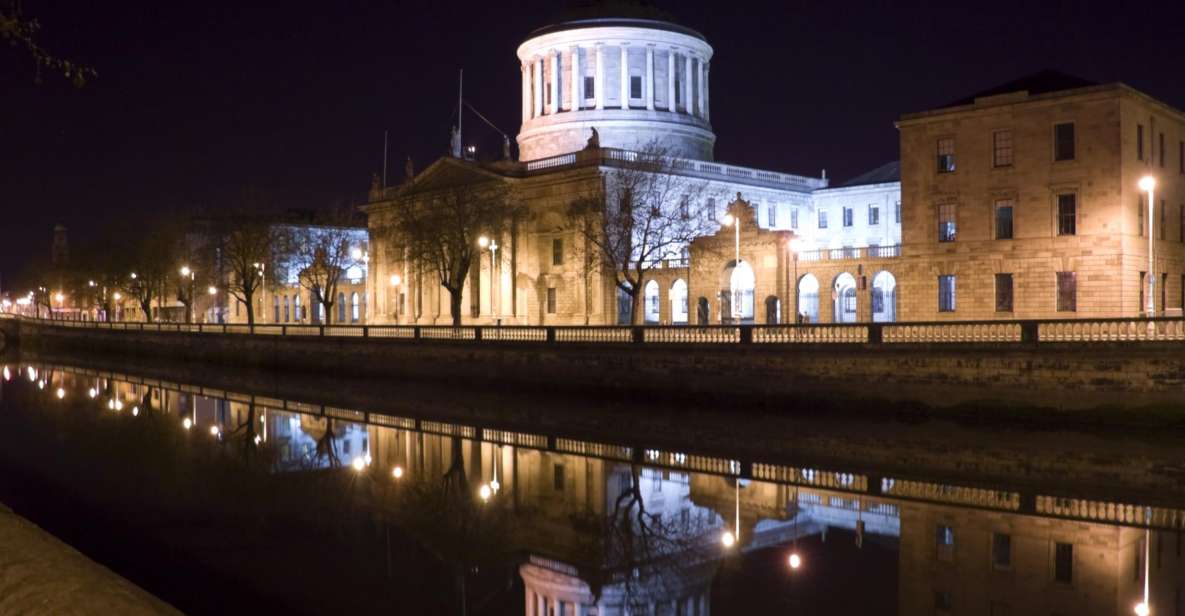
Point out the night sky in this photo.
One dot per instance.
(197, 101)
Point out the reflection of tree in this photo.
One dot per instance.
(646, 556)
(326, 447)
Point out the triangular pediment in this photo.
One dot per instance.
(448, 171)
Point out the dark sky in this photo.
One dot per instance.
(197, 100)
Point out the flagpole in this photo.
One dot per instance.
(384, 159)
(460, 118)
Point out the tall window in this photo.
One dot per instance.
(944, 542)
(822, 219)
(341, 307)
(946, 293)
(355, 308)
(1161, 152)
(1163, 219)
(1003, 292)
(1067, 214)
(946, 222)
(1164, 287)
(1004, 219)
(1063, 141)
(897, 211)
(557, 251)
(1002, 148)
(547, 91)
(1140, 141)
(550, 300)
(275, 308)
(590, 88)
(772, 212)
(1181, 223)
(946, 155)
(286, 309)
(874, 214)
(794, 220)
(1181, 157)
(1143, 290)
(710, 209)
(847, 217)
(635, 86)
(1001, 551)
(1140, 215)
(1063, 563)
(1067, 291)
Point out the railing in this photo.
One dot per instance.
(1114, 330)
(849, 253)
(697, 168)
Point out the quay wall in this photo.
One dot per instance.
(1055, 374)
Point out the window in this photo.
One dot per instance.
(946, 222)
(1067, 291)
(772, 212)
(1161, 150)
(710, 210)
(822, 219)
(1140, 215)
(1164, 287)
(794, 220)
(1002, 148)
(1063, 141)
(685, 208)
(946, 155)
(1067, 214)
(942, 601)
(341, 307)
(1181, 223)
(1001, 551)
(635, 86)
(550, 300)
(1063, 563)
(557, 251)
(286, 309)
(1003, 292)
(1004, 219)
(1163, 220)
(1181, 157)
(1143, 289)
(558, 477)
(874, 215)
(1140, 141)
(355, 308)
(590, 88)
(275, 308)
(547, 91)
(847, 217)
(946, 293)
(897, 211)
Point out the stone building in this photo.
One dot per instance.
(639, 83)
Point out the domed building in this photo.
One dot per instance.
(616, 116)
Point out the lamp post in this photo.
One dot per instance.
(492, 245)
(795, 246)
(1148, 185)
(735, 223)
(188, 273)
(396, 280)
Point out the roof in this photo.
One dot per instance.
(614, 13)
(1041, 82)
(888, 172)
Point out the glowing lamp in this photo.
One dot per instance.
(397, 472)
(728, 539)
(1147, 183)
(795, 561)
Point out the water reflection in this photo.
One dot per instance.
(605, 528)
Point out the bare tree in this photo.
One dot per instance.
(322, 254)
(21, 32)
(440, 227)
(645, 211)
(247, 256)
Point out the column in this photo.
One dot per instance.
(625, 77)
(671, 82)
(577, 81)
(526, 70)
(687, 86)
(555, 81)
(707, 98)
(599, 78)
(699, 84)
(538, 87)
(650, 77)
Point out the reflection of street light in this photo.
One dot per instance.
(492, 245)
(484, 492)
(187, 423)
(795, 560)
(61, 393)
(358, 463)
(728, 539)
(397, 472)
(396, 280)
(1148, 185)
(214, 430)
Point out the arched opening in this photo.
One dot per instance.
(341, 307)
(703, 311)
(737, 293)
(298, 314)
(773, 310)
(624, 302)
(287, 310)
(650, 299)
(884, 298)
(355, 308)
(679, 302)
(844, 299)
(808, 299)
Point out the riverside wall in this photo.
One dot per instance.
(1063, 374)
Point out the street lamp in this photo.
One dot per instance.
(485, 492)
(492, 245)
(1148, 185)
(188, 273)
(735, 223)
(212, 290)
(396, 280)
(795, 246)
(795, 561)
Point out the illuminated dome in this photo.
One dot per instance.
(636, 81)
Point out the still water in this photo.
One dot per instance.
(226, 501)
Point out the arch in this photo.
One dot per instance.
(650, 301)
(297, 313)
(843, 294)
(703, 311)
(738, 286)
(773, 310)
(286, 309)
(275, 308)
(679, 301)
(883, 296)
(808, 298)
(624, 305)
(355, 307)
(341, 307)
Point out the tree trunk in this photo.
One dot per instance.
(147, 307)
(635, 306)
(454, 306)
(328, 312)
(250, 310)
